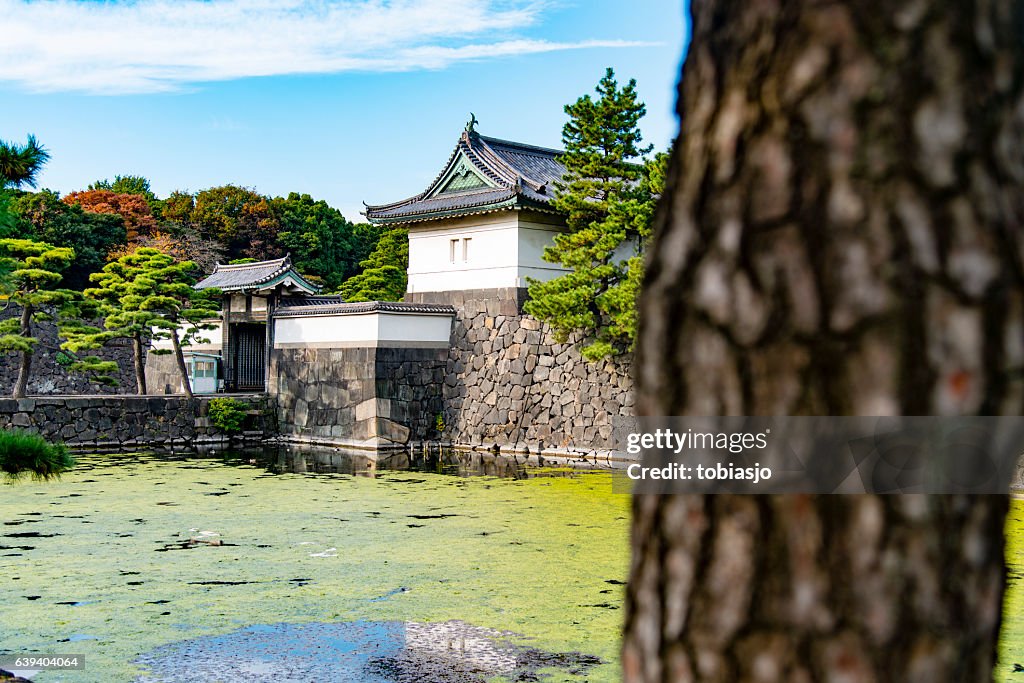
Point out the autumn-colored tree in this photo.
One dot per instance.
(44, 217)
(132, 208)
(126, 184)
(240, 219)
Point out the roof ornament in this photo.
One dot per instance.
(471, 124)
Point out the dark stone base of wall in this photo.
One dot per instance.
(375, 398)
(509, 383)
(130, 421)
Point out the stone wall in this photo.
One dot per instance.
(363, 397)
(509, 383)
(130, 421)
(49, 377)
(162, 374)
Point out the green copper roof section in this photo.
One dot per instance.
(482, 174)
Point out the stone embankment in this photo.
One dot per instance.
(49, 377)
(131, 421)
(510, 383)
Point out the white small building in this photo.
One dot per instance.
(484, 221)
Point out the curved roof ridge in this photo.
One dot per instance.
(520, 173)
(283, 262)
(535, 149)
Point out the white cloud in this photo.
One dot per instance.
(133, 46)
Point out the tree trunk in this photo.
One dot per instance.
(25, 368)
(139, 357)
(179, 357)
(841, 235)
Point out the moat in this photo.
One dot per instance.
(276, 564)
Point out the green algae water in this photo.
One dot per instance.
(1011, 644)
(127, 558)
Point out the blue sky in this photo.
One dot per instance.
(349, 100)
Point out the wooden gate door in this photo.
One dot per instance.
(250, 349)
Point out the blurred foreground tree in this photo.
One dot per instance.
(841, 235)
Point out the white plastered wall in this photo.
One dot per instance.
(372, 329)
(214, 337)
(504, 249)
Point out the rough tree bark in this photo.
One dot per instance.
(25, 367)
(179, 358)
(139, 359)
(841, 236)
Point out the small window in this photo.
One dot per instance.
(453, 247)
(465, 248)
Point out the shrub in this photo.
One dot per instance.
(23, 452)
(228, 414)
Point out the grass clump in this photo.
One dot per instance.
(23, 452)
(228, 414)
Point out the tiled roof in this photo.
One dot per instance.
(249, 276)
(333, 305)
(516, 176)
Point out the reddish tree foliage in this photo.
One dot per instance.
(132, 208)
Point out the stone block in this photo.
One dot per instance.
(390, 430)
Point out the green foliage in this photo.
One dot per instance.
(23, 452)
(126, 184)
(238, 261)
(384, 276)
(439, 424)
(228, 414)
(323, 244)
(608, 199)
(19, 164)
(30, 274)
(149, 290)
(43, 216)
(239, 218)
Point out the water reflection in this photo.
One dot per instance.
(282, 458)
(362, 651)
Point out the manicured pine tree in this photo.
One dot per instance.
(148, 293)
(29, 273)
(385, 271)
(119, 288)
(608, 199)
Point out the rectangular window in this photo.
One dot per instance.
(465, 248)
(452, 248)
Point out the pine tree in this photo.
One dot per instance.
(122, 289)
(384, 276)
(608, 200)
(147, 293)
(29, 272)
